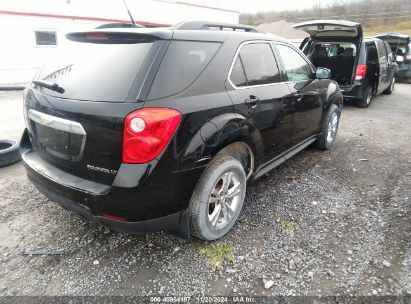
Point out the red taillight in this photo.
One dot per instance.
(360, 71)
(408, 57)
(98, 36)
(147, 132)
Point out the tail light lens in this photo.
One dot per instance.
(360, 71)
(408, 57)
(147, 132)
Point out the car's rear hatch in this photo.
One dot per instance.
(394, 38)
(400, 45)
(331, 29)
(339, 32)
(75, 108)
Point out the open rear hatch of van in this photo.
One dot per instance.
(394, 38)
(75, 107)
(400, 45)
(331, 28)
(333, 44)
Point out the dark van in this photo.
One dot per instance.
(401, 48)
(363, 67)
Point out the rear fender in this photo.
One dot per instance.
(334, 96)
(216, 134)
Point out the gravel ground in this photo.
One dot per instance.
(322, 224)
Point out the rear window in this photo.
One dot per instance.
(95, 72)
(182, 64)
(400, 49)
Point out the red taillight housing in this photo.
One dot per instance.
(360, 71)
(147, 132)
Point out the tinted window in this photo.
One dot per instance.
(181, 65)
(259, 64)
(45, 38)
(96, 72)
(296, 67)
(237, 75)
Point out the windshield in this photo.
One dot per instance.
(95, 72)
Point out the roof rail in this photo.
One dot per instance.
(204, 25)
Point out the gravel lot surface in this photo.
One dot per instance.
(324, 223)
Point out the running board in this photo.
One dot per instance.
(283, 157)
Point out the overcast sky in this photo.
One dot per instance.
(254, 6)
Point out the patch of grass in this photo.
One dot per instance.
(287, 227)
(217, 254)
(403, 27)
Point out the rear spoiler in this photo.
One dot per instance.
(122, 37)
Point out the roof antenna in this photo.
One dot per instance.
(131, 17)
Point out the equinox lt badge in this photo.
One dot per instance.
(104, 170)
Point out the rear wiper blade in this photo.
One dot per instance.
(49, 85)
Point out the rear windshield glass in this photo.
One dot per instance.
(181, 65)
(95, 72)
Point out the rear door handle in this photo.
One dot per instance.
(252, 101)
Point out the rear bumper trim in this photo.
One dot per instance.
(176, 223)
(34, 162)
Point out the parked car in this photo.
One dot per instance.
(401, 48)
(363, 67)
(149, 129)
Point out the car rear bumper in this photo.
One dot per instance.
(136, 202)
(404, 74)
(176, 223)
(354, 91)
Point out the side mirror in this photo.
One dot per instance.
(323, 73)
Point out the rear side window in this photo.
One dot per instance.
(259, 64)
(182, 64)
(296, 67)
(94, 71)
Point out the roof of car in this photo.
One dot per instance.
(185, 33)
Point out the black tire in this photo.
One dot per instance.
(390, 88)
(9, 152)
(323, 141)
(365, 101)
(205, 203)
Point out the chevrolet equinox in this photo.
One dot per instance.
(159, 129)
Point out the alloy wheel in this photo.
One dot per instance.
(224, 200)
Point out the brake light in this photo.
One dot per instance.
(147, 132)
(98, 36)
(360, 71)
(408, 57)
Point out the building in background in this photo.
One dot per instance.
(284, 29)
(32, 31)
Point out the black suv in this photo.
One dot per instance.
(401, 48)
(159, 129)
(363, 67)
